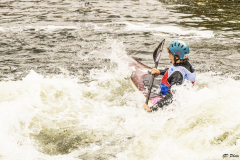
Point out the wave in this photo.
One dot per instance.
(60, 117)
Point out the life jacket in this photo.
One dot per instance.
(186, 70)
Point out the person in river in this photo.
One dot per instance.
(175, 75)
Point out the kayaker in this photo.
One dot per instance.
(175, 75)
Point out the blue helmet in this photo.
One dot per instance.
(179, 48)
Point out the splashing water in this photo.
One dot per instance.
(59, 117)
(65, 90)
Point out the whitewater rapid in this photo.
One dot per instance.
(65, 90)
(61, 117)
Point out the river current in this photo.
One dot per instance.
(65, 89)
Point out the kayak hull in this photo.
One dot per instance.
(141, 80)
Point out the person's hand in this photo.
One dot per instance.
(147, 108)
(155, 72)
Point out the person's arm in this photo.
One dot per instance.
(162, 72)
(175, 79)
(157, 72)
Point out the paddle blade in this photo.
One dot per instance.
(158, 51)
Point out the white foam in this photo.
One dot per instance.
(37, 28)
(202, 122)
(1, 29)
(52, 27)
(165, 29)
(238, 142)
(170, 30)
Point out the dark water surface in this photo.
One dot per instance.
(28, 41)
(210, 14)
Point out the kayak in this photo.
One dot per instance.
(141, 79)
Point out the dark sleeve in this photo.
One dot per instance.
(162, 72)
(175, 79)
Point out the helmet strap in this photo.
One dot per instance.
(175, 60)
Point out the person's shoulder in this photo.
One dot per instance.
(175, 78)
(176, 70)
(189, 67)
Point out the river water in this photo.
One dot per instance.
(65, 89)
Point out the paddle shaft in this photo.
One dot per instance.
(150, 88)
(156, 57)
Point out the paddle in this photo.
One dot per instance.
(156, 57)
